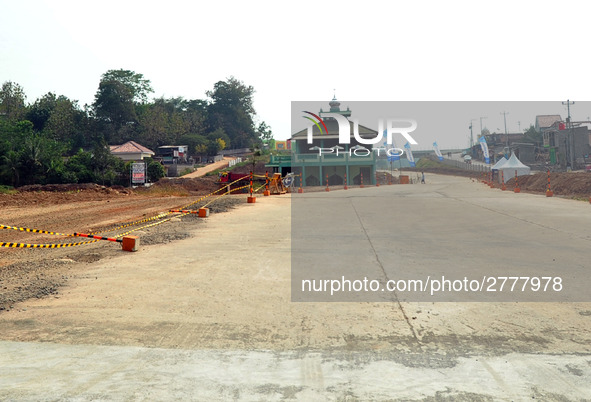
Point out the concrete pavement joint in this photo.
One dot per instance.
(377, 258)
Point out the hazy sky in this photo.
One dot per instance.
(366, 50)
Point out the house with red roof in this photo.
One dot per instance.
(131, 151)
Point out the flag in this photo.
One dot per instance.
(411, 159)
(484, 149)
(437, 151)
(393, 155)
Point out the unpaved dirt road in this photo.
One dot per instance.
(202, 171)
(209, 317)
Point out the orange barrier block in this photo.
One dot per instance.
(203, 212)
(130, 243)
(404, 180)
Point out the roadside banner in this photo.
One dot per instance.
(138, 173)
(409, 156)
(392, 156)
(437, 151)
(484, 149)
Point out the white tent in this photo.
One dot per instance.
(513, 165)
(499, 163)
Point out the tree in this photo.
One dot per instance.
(231, 108)
(533, 136)
(113, 104)
(40, 111)
(215, 146)
(264, 132)
(64, 120)
(11, 164)
(155, 171)
(12, 101)
(135, 82)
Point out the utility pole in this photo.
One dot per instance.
(484, 117)
(519, 125)
(506, 136)
(570, 147)
(471, 136)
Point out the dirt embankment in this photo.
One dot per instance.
(575, 185)
(568, 184)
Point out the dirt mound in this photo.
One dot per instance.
(184, 186)
(259, 168)
(73, 187)
(567, 184)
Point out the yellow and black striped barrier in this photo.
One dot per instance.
(116, 238)
(126, 225)
(29, 230)
(53, 245)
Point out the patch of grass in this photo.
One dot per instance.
(7, 190)
(187, 171)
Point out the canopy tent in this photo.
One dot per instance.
(500, 163)
(513, 165)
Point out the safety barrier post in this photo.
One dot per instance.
(266, 193)
(300, 190)
(377, 180)
(361, 180)
(327, 189)
(130, 243)
(203, 212)
(346, 187)
(516, 189)
(503, 186)
(549, 192)
(251, 199)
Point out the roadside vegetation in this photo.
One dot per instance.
(55, 140)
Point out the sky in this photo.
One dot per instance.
(308, 51)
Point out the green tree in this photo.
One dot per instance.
(106, 166)
(12, 101)
(264, 132)
(64, 121)
(139, 87)
(533, 136)
(231, 109)
(11, 164)
(80, 167)
(113, 104)
(40, 111)
(155, 170)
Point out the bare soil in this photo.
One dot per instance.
(88, 208)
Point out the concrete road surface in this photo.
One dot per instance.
(211, 317)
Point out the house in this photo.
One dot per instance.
(131, 151)
(344, 165)
(283, 145)
(546, 121)
(173, 154)
(568, 147)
